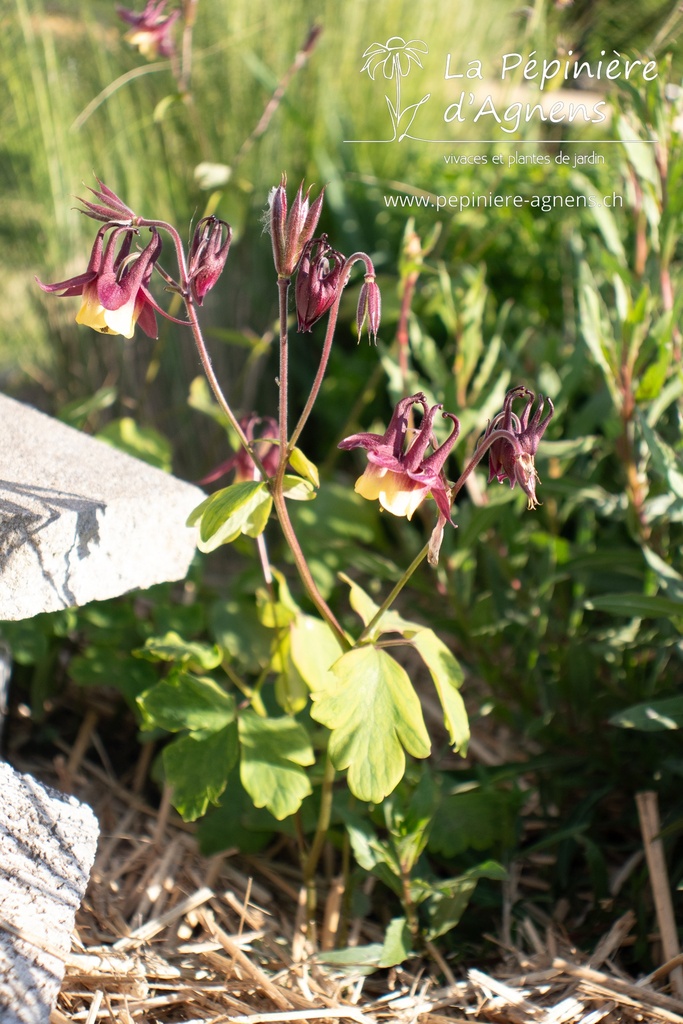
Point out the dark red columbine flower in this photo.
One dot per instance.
(290, 231)
(151, 30)
(264, 447)
(114, 285)
(512, 458)
(317, 281)
(207, 256)
(402, 480)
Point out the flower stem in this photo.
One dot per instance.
(207, 366)
(327, 345)
(276, 484)
(283, 289)
(311, 860)
(309, 583)
(388, 601)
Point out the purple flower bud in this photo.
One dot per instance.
(291, 232)
(317, 281)
(369, 307)
(208, 253)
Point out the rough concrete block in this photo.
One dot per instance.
(47, 848)
(80, 521)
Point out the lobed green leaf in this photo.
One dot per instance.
(374, 715)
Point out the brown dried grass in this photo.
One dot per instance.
(165, 935)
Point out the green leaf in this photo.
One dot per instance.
(314, 650)
(447, 901)
(291, 691)
(172, 647)
(374, 854)
(476, 819)
(596, 331)
(409, 815)
(304, 467)
(240, 508)
(197, 769)
(183, 701)
(665, 460)
(642, 606)
(397, 943)
(274, 753)
(101, 666)
(353, 960)
(297, 489)
(374, 714)
(277, 614)
(652, 716)
(365, 607)
(143, 443)
(448, 677)
(668, 579)
(236, 626)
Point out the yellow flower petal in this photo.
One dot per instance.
(107, 321)
(122, 320)
(396, 492)
(369, 484)
(400, 495)
(92, 313)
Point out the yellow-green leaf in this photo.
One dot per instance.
(374, 715)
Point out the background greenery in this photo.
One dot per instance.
(565, 620)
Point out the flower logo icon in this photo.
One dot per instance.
(395, 58)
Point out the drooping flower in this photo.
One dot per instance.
(290, 231)
(512, 457)
(394, 57)
(264, 447)
(399, 479)
(317, 281)
(114, 285)
(207, 256)
(151, 31)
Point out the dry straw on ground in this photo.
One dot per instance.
(165, 935)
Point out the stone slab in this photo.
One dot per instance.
(81, 521)
(47, 848)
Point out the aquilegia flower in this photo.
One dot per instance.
(512, 458)
(317, 281)
(114, 285)
(151, 31)
(207, 256)
(402, 480)
(265, 448)
(291, 231)
(394, 57)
